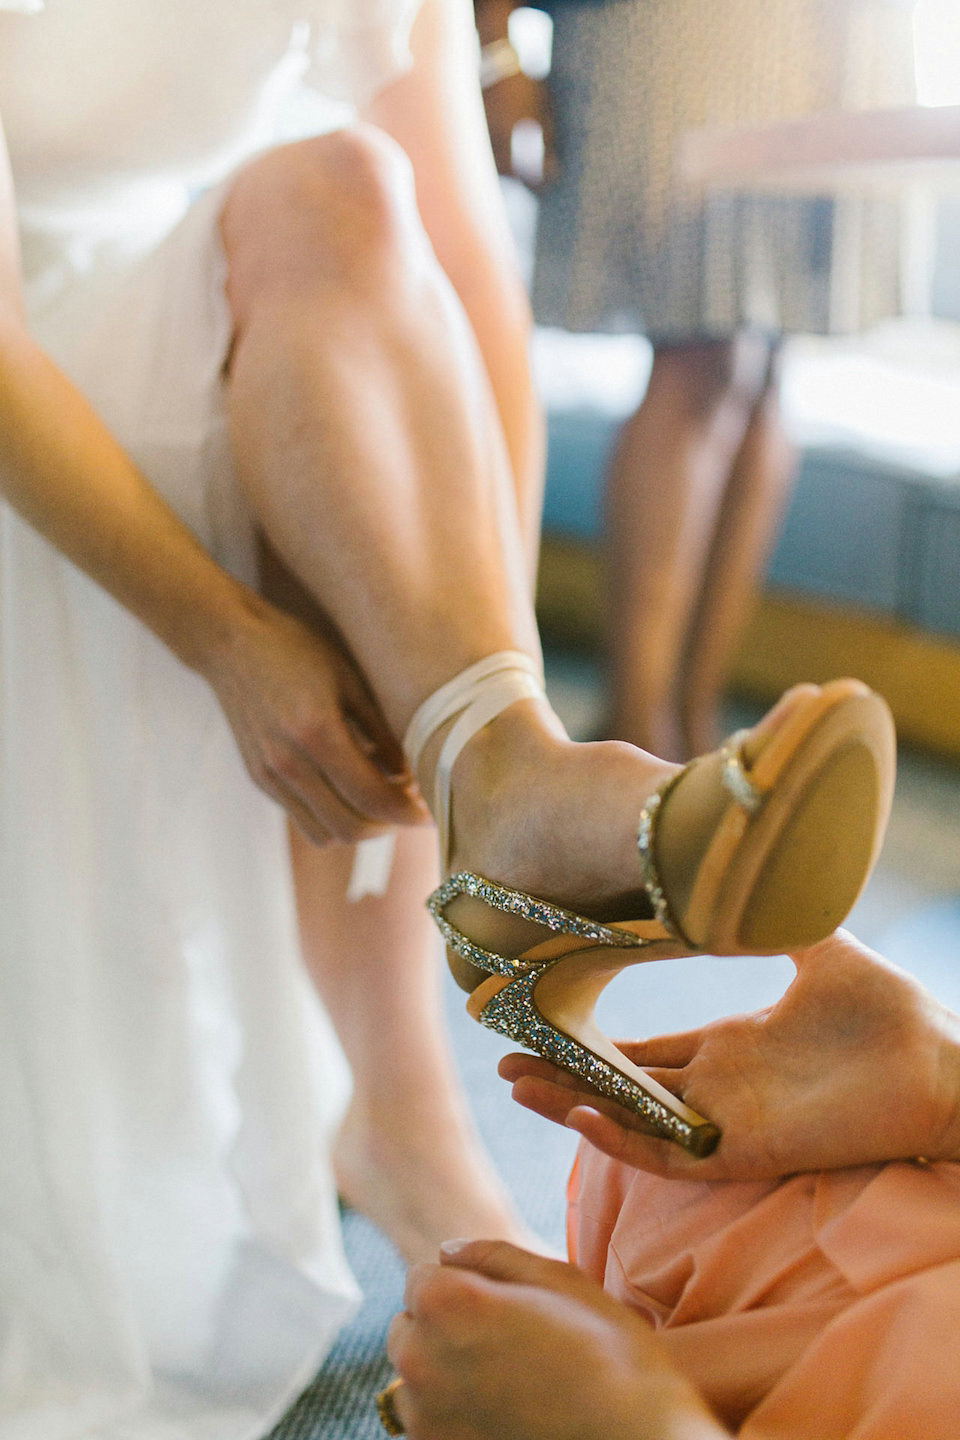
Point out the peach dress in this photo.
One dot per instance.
(820, 1307)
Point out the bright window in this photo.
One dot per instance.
(937, 35)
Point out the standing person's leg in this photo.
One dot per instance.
(369, 444)
(757, 490)
(664, 492)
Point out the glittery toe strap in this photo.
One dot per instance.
(527, 907)
(646, 853)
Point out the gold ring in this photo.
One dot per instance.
(387, 1410)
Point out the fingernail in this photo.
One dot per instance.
(453, 1247)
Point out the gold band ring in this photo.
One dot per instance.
(386, 1408)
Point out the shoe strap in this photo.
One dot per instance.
(473, 698)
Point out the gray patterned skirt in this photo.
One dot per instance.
(621, 245)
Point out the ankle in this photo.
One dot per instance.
(451, 716)
(524, 736)
(540, 813)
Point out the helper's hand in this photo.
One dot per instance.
(856, 1063)
(499, 1344)
(311, 734)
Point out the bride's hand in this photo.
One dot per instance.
(310, 732)
(856, 1063)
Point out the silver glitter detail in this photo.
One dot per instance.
(735, 778)
(648, 868)
(513, 1013)
(528, 907)
(646, 854)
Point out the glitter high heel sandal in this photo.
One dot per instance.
(754, 849)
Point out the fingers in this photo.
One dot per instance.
(839, 948)
(312, 805)
(306, 820)
(374, 735)
(499, 1260)
(642, 1151)
(332, 790)
(541, 1086)
(608, 1127)
(665, 1052)
(333, 776)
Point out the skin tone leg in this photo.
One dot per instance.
(665, 494)
(407, 1155)
(399, 333)
(367, 440)
(753, 504)
(423, 537)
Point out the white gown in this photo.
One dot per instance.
(170, 1256)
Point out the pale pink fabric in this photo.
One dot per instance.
(821, 1307)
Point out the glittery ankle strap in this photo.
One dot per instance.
(472, 699)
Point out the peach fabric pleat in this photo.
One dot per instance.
(820, 1307)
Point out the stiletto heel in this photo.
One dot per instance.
(739, 853)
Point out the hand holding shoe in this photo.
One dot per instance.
(856, 1063)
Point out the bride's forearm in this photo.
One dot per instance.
(62, 472)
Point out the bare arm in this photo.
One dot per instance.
(436, 113)
(291, 700)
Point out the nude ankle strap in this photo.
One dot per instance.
(473, 698)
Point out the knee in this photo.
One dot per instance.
(334, 212)
(714, 378)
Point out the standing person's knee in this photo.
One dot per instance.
(335, 211)
(710, 376)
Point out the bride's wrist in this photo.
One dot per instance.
(223, 630)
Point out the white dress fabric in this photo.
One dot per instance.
(170, 1257)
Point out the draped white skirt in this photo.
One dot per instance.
(170, 1254)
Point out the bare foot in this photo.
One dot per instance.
(424, 1180)
(536, 811)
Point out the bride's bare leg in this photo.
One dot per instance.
(369, 446)
(408, 1155)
